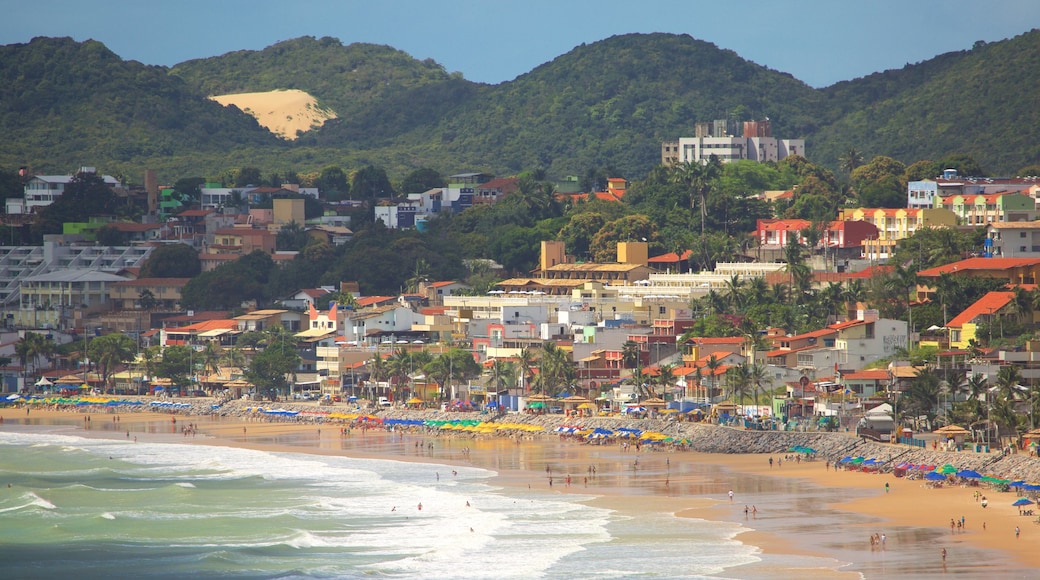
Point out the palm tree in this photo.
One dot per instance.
(758, 374)
(850, 160)
(712, 365)
(525, 362)
(420, 275)
(111, 351)
(738, 379)
(1008, 384)
(25, 350)
(666, 378)
(922, 396)
(734, 287)
(700, 180)
(503, 374)
(211, 355)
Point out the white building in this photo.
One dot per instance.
(42, 190)
(756, 144)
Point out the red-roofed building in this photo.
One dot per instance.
(1014, 270)
(158, 293)
(671, 262)
(435, 292)
(494, 190)
(374, 301)
(697, 348)
(242, 241)
(964, 326)
(839, 235)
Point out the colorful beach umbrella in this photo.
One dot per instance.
(1022, 501)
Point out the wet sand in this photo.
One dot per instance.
(811, 521)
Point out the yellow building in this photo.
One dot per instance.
(896, 224)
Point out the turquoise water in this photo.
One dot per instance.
(79, 507)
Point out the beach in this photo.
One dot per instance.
(803, 517)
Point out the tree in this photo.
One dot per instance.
(922, 396)
(370, 182)
(292, 238)
(172, 261)
(25, 349)
(189, 189)
(701, 180)
(109, 352)
(502, 375)
(422, 179)
(333, 180)
(176, 364)
(738, 379)
(525, 365)
(269, 368)
(850, 160)
(146, 300)
(248, 176)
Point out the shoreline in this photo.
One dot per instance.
(683, 483)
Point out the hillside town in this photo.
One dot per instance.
(574, 336)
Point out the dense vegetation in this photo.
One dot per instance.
(607, 104)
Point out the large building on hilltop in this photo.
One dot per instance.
(713, 138)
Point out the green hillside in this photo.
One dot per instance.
(606, 104)
(980, 102)
(64, 104)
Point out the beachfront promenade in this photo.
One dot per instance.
(702, 437)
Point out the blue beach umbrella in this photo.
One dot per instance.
(1022, 501)
(933, 476)
(969, 473)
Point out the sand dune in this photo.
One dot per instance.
(282, 112)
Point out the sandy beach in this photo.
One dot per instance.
(806, 518)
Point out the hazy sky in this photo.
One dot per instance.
(817, 41)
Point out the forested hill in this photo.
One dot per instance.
(981, 102)
(610, 103)
(377, 92)
(64, 104)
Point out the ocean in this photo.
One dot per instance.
(76, 507)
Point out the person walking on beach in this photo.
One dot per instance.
(944, 556)
(1017, 532)
(754, 512)
(731, 496)
(886, 487)
(770, 462)
(747, 510)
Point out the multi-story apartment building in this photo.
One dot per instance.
(894, 224)
(42, 190)
(756, 144)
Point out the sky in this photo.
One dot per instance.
(819, 42)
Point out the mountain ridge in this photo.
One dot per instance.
(608, 103)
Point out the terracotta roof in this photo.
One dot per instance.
(370, 300)
(133, 226)
(717, 340)
(314, 292)
(988, 304)
(1015, 225)
(846, 324)
(784, 225)
(979, 264)
(221, 324)
(868, 375)
(443, 284)
(195, 213)
(670, 258)
(154, 282)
